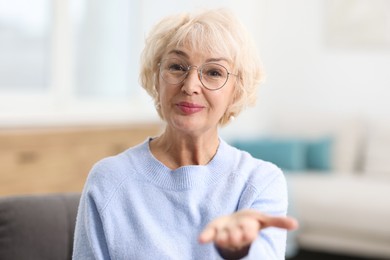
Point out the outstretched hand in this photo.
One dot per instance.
(238, 230)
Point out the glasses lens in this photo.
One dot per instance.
(213, 75)
(173, 71)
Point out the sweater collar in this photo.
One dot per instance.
(189, 176)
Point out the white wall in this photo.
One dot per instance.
(308, 76)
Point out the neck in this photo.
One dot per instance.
(175, 150)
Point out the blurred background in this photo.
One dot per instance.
(69, 96)
(76, 61)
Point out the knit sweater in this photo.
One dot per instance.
(134, 207)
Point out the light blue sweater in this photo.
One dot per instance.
(134, 207)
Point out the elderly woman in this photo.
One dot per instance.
(187, 194)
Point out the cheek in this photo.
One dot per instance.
(229, 96)
(165, 95)
(221, 103)
(161, 92)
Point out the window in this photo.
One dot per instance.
(76, 61)
(70, 61)
(104, 47)
(24, 45)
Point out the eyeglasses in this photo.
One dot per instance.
(213, 76)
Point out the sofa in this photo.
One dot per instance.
(338, 175)
(38, 227)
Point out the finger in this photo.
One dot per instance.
(222, 238)
(207, 235)
(288, 223)
(279, 222)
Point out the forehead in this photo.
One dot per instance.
(191, 55)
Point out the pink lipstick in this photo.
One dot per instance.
(189, 108)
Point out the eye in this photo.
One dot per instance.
(214, 71)
(176, 67)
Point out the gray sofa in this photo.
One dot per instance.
(38, 226)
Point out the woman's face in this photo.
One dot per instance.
(188, 106)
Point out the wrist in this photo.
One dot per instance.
(231, 254)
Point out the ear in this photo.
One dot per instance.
(156, 87)
(156, 81)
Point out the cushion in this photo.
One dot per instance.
(346, 132)
(377, 156)
(319, 154)
(288, 154)
(291, 154)
(37, 227)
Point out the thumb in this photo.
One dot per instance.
(207, 235)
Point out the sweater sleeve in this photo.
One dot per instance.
(272, 200)
(269, 196)
(89, 239)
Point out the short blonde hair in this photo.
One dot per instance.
(212, 31)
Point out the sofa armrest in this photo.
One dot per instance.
(38, 226)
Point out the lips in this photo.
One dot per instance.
(189, 108)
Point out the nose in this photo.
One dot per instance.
(192, 83)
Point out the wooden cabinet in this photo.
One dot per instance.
(59, 159)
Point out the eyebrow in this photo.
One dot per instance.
(185, 55)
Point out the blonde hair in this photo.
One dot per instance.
(212, 31)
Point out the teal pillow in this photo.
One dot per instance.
(288, 154)
(319, 154)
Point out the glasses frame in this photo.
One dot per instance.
(199, 70)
